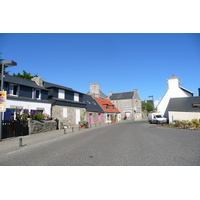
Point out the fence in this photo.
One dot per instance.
(11, 128)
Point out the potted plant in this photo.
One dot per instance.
(112, 117)
(83, 124)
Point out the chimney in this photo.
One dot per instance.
(38, 80)
(135, 91)
(110, 94)
(95, 89)
(173, 82)
(199, 91)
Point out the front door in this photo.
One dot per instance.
(90, 119)
(77, 116)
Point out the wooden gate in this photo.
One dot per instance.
(11, 128)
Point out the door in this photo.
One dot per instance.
(90, 119)
(77, 116)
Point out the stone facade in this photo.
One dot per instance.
(128, 103)
(93, 117)
(41, 126)
(67, 115)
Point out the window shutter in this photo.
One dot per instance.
(7, 114)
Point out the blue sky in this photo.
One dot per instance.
(119, 62)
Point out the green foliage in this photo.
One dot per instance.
(38, 116)
(25, 75)
(147, 107)
(112, 117)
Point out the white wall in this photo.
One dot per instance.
(173, 91)
(29, 105)
(183, 116)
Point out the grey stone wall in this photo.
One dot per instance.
(132, 106)
(94, 117)
(70, 120)
(41, 126)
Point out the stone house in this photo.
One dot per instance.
(128, 103)
(95, 91)
(109, 109)
(174, 91)
(24, 95)
(94, 113)
(67, 104)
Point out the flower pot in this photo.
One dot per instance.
(82, 126)
(113, 121)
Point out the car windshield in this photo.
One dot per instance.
(158, 116)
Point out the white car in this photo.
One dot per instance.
(156, 118)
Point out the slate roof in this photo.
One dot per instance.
(52, 85)
(187, 91)
(122, 95)
(91, 104)
(104, 102)
(184, 104)
(21, 81)
(101, 94)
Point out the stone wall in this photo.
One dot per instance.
(41, 126)
(95, 119)
(68, 118)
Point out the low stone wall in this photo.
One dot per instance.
(41, 126)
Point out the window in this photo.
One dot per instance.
(113, 107)
(61, 94)
(76, 97)
(13, 89)
(106, 106)
(64, 112)
(36, 94)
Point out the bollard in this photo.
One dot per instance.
(95, 125)
(65, 131)
(79, 128)
(72, 129)
(20, 142)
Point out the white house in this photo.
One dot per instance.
(184, 108)
(174, 91)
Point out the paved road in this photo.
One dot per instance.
(128, 143)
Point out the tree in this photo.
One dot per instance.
(147, 107)
(25, 75)
(1, 60)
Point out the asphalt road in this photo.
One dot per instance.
(121, 144)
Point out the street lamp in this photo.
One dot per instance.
(7, 63)
(152, 100)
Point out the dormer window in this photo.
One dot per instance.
(36, 94)
(76, 96)
(106, 106)
(113, 107)
(13, 89)
(61, 94)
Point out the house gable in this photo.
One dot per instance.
(174, 91)
(107, 106)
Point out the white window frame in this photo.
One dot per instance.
(76, 96)
(61, 94)
(34, 92)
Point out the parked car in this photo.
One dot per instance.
(156, 118)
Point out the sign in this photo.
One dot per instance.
(2, 101)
